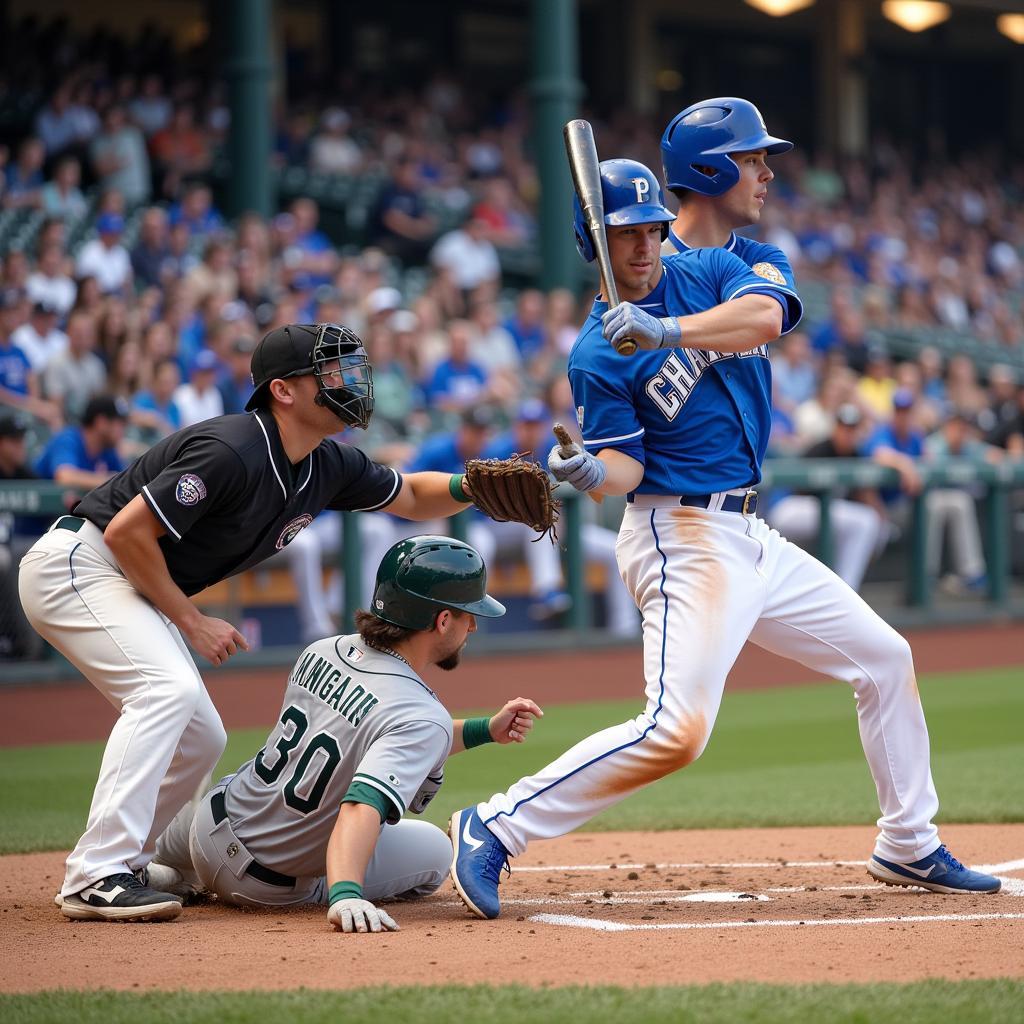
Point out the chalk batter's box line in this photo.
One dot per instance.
(645, 897)
(597, 925)
(1010, 865)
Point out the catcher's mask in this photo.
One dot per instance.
(330, 352)
(421, 576)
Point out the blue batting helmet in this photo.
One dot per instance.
(698, 141)
(632, 195)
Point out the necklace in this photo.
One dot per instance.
(386, 650)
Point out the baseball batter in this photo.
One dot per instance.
(318, 815)
(681, 429)
(109, 586)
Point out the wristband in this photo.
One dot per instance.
(344, 891)
(673, 332)
(476, 731)
(455, 488)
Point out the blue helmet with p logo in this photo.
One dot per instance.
(632, 195)
(698, 142)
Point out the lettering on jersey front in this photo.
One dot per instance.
(673, 384)
(324, 680)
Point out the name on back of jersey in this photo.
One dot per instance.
(673, 384)
(323, 680)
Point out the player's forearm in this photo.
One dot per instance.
(623, 473)
(352, 843)
(427, 496)
(739, 325)
(139, 556)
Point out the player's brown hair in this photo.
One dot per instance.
(378, 633)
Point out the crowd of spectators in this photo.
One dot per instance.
(149, 330)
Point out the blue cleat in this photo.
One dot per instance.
(479, 860)
(939, 871)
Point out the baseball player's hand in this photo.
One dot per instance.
(629, 321)
(514, 720)
(215, 639)
(354, 915)
(583, 470)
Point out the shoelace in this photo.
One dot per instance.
(126, 881)
(949, 860)
(497, 861)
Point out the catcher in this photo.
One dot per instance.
(317, 816)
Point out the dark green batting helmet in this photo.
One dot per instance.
(421, 576)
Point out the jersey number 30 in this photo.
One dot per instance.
(327, 762)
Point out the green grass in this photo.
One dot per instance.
(972, 1002)
(787, 756)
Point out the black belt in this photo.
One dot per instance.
(255, 869)
(746, 504)
(72, 523)
(743, 503)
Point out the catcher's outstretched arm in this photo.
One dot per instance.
(426, 496)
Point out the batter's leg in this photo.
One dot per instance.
(814, 618)
(86, 609)
(693, 574)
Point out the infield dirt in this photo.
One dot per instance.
(800, 871)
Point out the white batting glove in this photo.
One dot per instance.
(583, 470)
(649, 332)
(353, 915)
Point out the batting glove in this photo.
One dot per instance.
(583, 470)
(649, 332)
(354, 915)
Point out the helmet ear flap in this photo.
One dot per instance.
(584, 241)
(585, 244)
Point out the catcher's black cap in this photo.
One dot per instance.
(281, 352)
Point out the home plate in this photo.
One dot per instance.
(723, 897)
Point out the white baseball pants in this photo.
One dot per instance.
(706, 582)
(168, 735)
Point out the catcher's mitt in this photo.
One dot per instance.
(513, 490)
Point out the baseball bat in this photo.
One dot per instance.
(568, 446)
(586, 179)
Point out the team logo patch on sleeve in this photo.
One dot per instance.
(769, 272)
(292, 529)
(190, 490)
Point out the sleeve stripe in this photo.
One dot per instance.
(383, 787)
(612, 440)
(387, 500)
(151, 501)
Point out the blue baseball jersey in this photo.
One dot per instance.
(697, 420)
(767, 261)
(67, 448)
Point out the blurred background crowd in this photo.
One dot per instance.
(130, 306)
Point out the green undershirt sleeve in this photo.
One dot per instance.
(362, 793)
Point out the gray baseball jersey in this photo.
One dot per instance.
(351, 714)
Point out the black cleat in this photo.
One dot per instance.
(120, 897)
